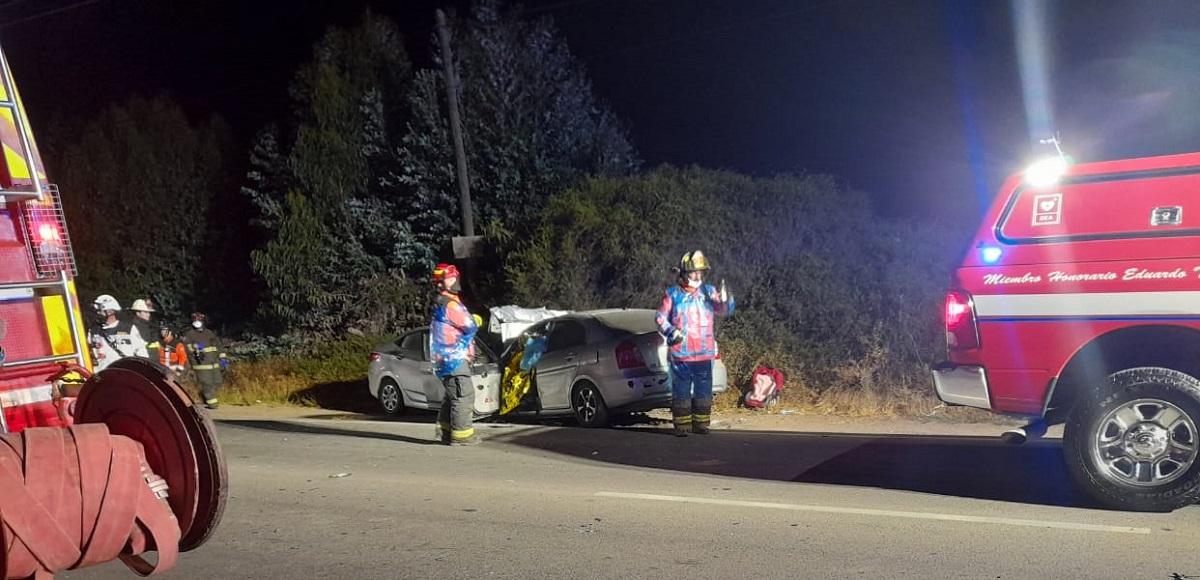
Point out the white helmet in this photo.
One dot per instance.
(106, 302)
(141, 305)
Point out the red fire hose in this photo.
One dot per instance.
(141, 471)
(79, 496)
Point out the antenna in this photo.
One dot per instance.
(1054, 140)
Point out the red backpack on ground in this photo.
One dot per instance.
(765, 385)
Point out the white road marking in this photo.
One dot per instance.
(882, 513)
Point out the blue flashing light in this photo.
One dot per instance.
(990, 254)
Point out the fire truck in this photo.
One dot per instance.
(1077, 302)
(41, 325)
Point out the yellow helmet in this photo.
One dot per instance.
(693, 261)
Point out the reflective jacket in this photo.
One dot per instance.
(111, 342)
(172, 353)
(205, 350)
(451, 335)
(691, 311)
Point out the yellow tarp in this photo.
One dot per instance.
(515, 383)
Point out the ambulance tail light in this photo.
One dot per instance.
(962, 333)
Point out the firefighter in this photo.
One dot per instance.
(207, 356)
(172, 352)
(111, 338)
(452, 345)
(685, 317)
(142, 308)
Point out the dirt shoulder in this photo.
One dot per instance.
(936, 424)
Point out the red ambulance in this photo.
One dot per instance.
(1078, 303)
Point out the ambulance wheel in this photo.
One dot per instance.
(390, 397)
(1135, 445)
(588, 405)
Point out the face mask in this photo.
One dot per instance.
(693, 283)
(197, 324)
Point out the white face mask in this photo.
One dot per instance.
(693, 283)
(197, 324)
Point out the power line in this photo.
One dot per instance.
(52, 12)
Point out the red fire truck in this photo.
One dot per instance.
(1078, 303)
(42, 327)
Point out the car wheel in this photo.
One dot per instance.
(1135, 446)
(589, 407)
(390, 397)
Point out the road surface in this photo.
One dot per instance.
(316, 498)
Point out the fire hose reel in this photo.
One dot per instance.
(140, 471)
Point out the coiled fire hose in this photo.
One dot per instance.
(140, 471)
(80, 496)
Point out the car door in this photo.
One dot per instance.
(557, 367)
(485, 380)
(414, 369)
(434, 391)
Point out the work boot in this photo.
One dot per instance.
(681, 417)
(469, 441)
(700, 429)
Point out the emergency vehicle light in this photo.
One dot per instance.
(46, 232)
(990, 254)
(1046, 172)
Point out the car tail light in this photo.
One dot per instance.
(374, 356)
(961, 330)
(629, 356)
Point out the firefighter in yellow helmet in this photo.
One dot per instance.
(143, 309)
(686, 318)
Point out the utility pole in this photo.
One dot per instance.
(460, 153)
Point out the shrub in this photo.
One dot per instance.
(843, 301)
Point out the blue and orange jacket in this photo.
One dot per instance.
(691, 311)
(451, 335)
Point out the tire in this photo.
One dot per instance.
(1135, 445)
(588, 405)
(390, 398)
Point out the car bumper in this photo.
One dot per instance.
(965, 385)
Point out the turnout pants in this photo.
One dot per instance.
(691, 395)
(210, 380)
(454, 418)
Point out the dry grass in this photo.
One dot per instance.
(272, 381)
(860, 392)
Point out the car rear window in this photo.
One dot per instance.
(1105, 207)
(629, 321)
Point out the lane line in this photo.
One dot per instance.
(884, 513)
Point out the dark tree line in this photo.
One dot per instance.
(352, 193)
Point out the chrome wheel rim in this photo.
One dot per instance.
(1145, 443)
(586, 404)
(389, 396)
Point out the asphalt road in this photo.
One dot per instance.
(365, 499)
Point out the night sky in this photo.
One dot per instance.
(914, 101)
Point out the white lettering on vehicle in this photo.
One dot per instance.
(1057, 276)
(1143, 274)
(1028, 278)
